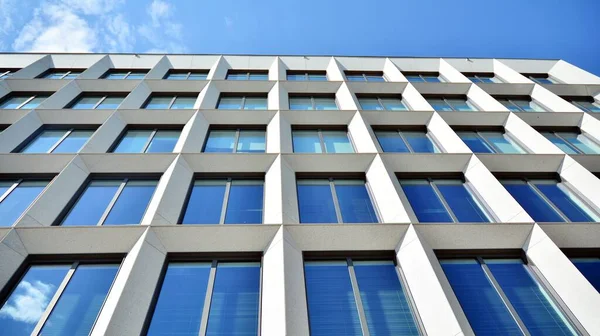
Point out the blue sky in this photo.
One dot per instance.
(567, 29)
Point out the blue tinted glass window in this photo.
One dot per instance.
(300, 103)
(317, 77)
(134, 141)
(461, 105)
(375, 78)
(205, 202)
(245, 204)
(177, 76)
(384, 302)
(425, 203)
(35, 102)
(220, 141)
(306, 142)
(43, 142)
(251, 142)
(92, 204)
(315, 202)
(297, 77)
(588, 106)
(355, 78)
(237, 76)
(84, 103)
(560, 143)
(393, 104)
(136, 75)
(414, 79)
(110, 103)
(479, 300)
(533, 305)
(510, 106)
(337, 142)
(159, 103)
(73, 142)
(230, 103)
(464, 206)
(54, 74)
(583, 143)
(370, 104)
(116, 75)
(14, 102)
(131, 204)
(198, 76)
(325, 104)
(589, 267)
(18, 200)
(255, 103)
(391, 142)
(431, 79)
(258, 76)
(420, 142)
(181, 300)
(527, 105)
(567, 202)
(535, 206)
(439, 104)
(26, 304)
(475, 143)
(72, 75)
(332, 309)
(503, 143)
(79, 305)
(183, 103)
(235, 300)
(355, 203)
(163, 141)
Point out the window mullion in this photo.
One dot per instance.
(409, 299)
(362, 317)
(25, 102)
(243, 103)
(381, 103)
(149, 141)
(112, 202)
(67, 133)
(312, 102)
(12, 187)
(207, 300)
(443, 200)
(54, 300)
(172, 102)
(322, 141)
(487, 142)
(236, 140)
(336, 204)
(99, 102)
(410, 149)
(225, 201)
(568, 143)
(552, 205)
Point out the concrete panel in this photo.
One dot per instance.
(347, 237)
(466, 236)
(384, 186)
(519, 163)
(334, 71)
(508, 75)
(573, 235)
(483, 100)
(445, 137)
(586, 185)
(451, 74)
(329, 163)
(18, 132)
(36, 68)
(551, 101)
(345, 99)
(391, 72)
(570, 74)
(425, 162)
(160, 69)
(361, 135)
(236, 162)
(13, 254)
(96, 70)
(193, 135)
(105, 136)
(128, 163)
(33, 163)
(526, 136)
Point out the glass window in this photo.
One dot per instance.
(77, 305)
(187, 286)
(183, 103)
(247, 75)
(590, 268)
(23, 101)
(242, 103)
(331, 289)
(170, 102)
(365, 76)
(589, 106)
(483, 78)
(451, 104)
(549, 201)
(573, 143)
(541, 78)
(7, 73)
(425, 77)
(125, 74)
(521, 105)
(334, 201)
(382, 103)
(443, 201)
(235, 141)
(148, 141)
(97, 102)
(61, 74)
(490, 142)
(479, 284)
(403, 141)
(225, 201)
(110, 103)
(306, 76)
(312, 103)
(16, 197)
(111, 202)
(136, 74)
(321, 141)
(58, 141)
(187, 75)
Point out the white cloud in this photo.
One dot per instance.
(163, 33)
(29, 305)
(7, 10)
(159, 10)
(93, 7)
(119, 36)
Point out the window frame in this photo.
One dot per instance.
(380, 102)
(8, 72)
(400, 131)
(188, 73)
(364, 256)
(424, 75)
(468, 102)
(243, 96)
(236, 139)
(509, 100)
(102, 97)
(491, 145)
(53, 71)
(306, 74)
(173, 97)
(248, 73)
(153, 131)
(127, 73)
(32, 96)
(568, 143)
(578, 104)
(68, 130)
(319, 131)
(365, 75)
(15, 185)
(479, 77)
(312, 101)
(537, 77)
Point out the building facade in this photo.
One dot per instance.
(297, 195)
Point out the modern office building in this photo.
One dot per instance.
(295, 195)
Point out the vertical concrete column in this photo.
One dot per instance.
(160, 69)
(507, 74)
(384, 186)
(436, 303)
(392, 73)
(208, 97)
(192, 135)
(35, 69)
(414, 100)
(18, 132)
(345, 98)
(106, 135)
(590, 127)
(361, 134)
(551, 101)
(497, 200)
(169, 197)
(62, 97)
(219, 69)
(277, 98)
(334, 71)
(136, 98)
(284, 309)
(280, 194)
(451, 74)
(483, 100)
(445, 137)
(97, 69)
(277, 71)
(277, 128)
(13, 254)
(130, 296)
(576, 292)
(582, 180)
(45, 210)
(528, 137)
(570, 74)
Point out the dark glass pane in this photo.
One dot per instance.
(355, 203)
(463, 204)
(509, 105)
(74, 142)
(43, 142)
(198, 76)
(92, 203)
(479, 300)
(583, 143)
(432, 79)
(589, 267)
(384, 302)
(13, 206)
(425, 203)
(177, 76)
(315, 203)
(133, 142)
(26, 304)
(393, 104)
(181, 300)
(205, 203)
(245, 205)
(317, 77)
(14, 102)
(325, 104)
(337, 142)
(234, 76)
(79, 305)
(163, 142)
(535, 206)
(355, 78)
(137, 75)
(220, 142)
(110, 103)
(461, 105)
(568, 203)
(55, 75)
(296, 77)
(235, 300)
(86, 103)
(420, 142)
(306, 142)
(132, 203)
(251, 142)
(391, 142)
(375, 78)
(475, 143)
(533, 305)
(35, 102)
(560, 143)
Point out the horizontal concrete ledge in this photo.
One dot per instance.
(573, 235)
(475, 236)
